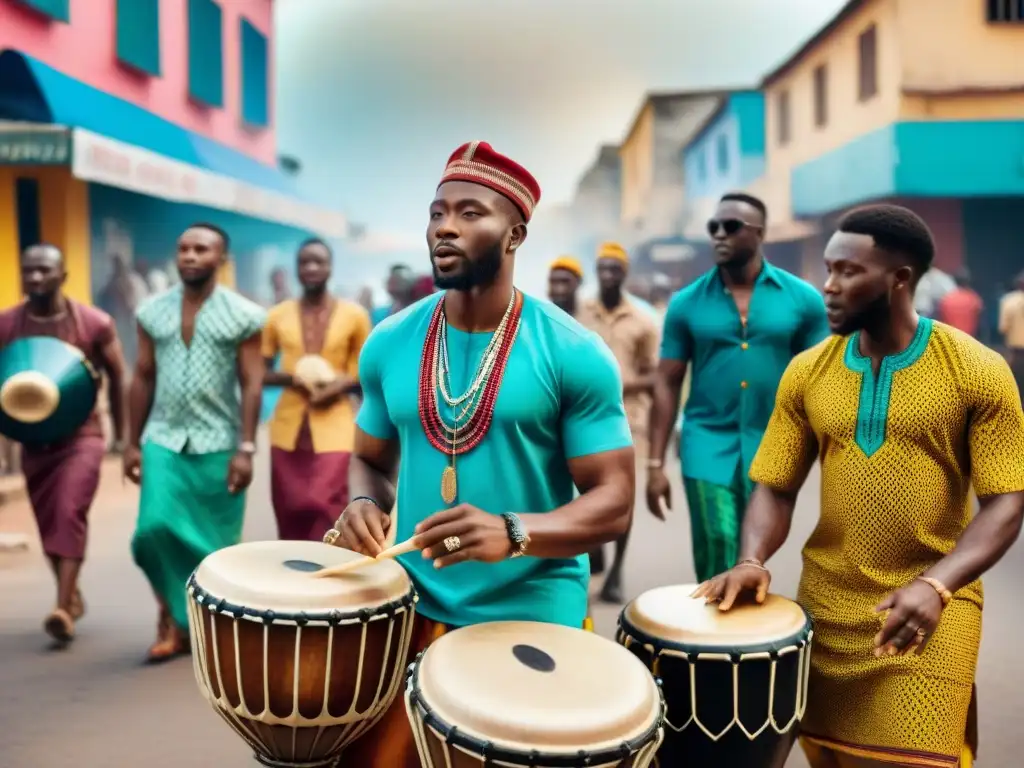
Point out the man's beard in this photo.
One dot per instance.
(873, 313)
(200, 280)
(479, 273)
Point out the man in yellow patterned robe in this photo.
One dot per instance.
(905, 415)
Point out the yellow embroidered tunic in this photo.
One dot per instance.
(899, 451)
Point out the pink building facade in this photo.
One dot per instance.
(124, 121)
(86, 49)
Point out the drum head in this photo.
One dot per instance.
(671, 616)
(530, 686)
(277, 576)
(47, 390)
(314, 370)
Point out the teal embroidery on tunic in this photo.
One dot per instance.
(875, 391)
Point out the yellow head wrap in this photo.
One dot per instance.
(613, 251)
(569, 264)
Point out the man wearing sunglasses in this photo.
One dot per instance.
(738, 325)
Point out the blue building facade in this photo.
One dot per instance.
(729, 151)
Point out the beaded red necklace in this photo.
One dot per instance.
(474, 410)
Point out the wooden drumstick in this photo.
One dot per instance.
(391, 552)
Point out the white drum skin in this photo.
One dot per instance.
(531, 694)
(299, 667)
(735, 682)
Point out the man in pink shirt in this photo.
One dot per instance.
(961, 307)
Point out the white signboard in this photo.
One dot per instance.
(102, 160)
(665, 252)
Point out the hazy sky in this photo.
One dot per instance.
(373, 95)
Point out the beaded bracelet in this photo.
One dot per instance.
(939, 587)
(754, 562)
(365, 498)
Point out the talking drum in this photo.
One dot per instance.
(48, 390)
(735, 682)
(299, 667)
(532, 695)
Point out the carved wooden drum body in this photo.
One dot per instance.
(298, 666)
(532, 695)
(735, 682)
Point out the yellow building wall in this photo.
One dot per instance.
(637, 156)
(64, 221)
(10, 273)
(848, 117)
(949, 45)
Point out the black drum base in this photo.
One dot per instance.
(693, 749)
(271, 762)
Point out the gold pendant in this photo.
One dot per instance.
(449, 484)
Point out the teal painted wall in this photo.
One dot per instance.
(964, 159)
(961, 159)
(864, 169)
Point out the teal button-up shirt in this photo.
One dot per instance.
(197, 404)
(736, 371)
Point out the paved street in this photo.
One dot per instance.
(97, 706)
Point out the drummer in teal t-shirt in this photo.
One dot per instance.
(499, 404)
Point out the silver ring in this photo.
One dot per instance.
(453, 543)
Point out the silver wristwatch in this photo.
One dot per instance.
(247, 447)
(517, 534)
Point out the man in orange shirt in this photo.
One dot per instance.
(961, 307)
(312, 431)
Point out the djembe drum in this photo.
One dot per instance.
(48, 389)
(299, 667)
(735, 682)
(532, 695)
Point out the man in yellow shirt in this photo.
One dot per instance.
(313, 427)
(905, 416)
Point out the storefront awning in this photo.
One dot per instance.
(117, 143)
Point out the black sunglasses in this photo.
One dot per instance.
(729, 226)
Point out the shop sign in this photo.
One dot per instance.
(116, 164)
(34, 147)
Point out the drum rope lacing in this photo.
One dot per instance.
(803, 648)
(240, 717)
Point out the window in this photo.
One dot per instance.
(206, 52)
(723, 153)
(30, 223)
(254, 75)
(867, 61)
(783, 117)
(1006, 11)
(138, 34)
(820, 96)
(56, 9)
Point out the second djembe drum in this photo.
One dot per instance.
(531, 695)
(735, 682)
(299, 667)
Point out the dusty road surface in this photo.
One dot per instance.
(97, 706)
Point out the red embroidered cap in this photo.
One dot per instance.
(478, 163)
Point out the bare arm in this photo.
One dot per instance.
(113, 365)
(766, 524)
(371, 468)
(984, 542)
(140, 392)
(600, 514)
(250, 378)
(272, 378)
(668, 389)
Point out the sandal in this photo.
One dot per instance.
(60, 626)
